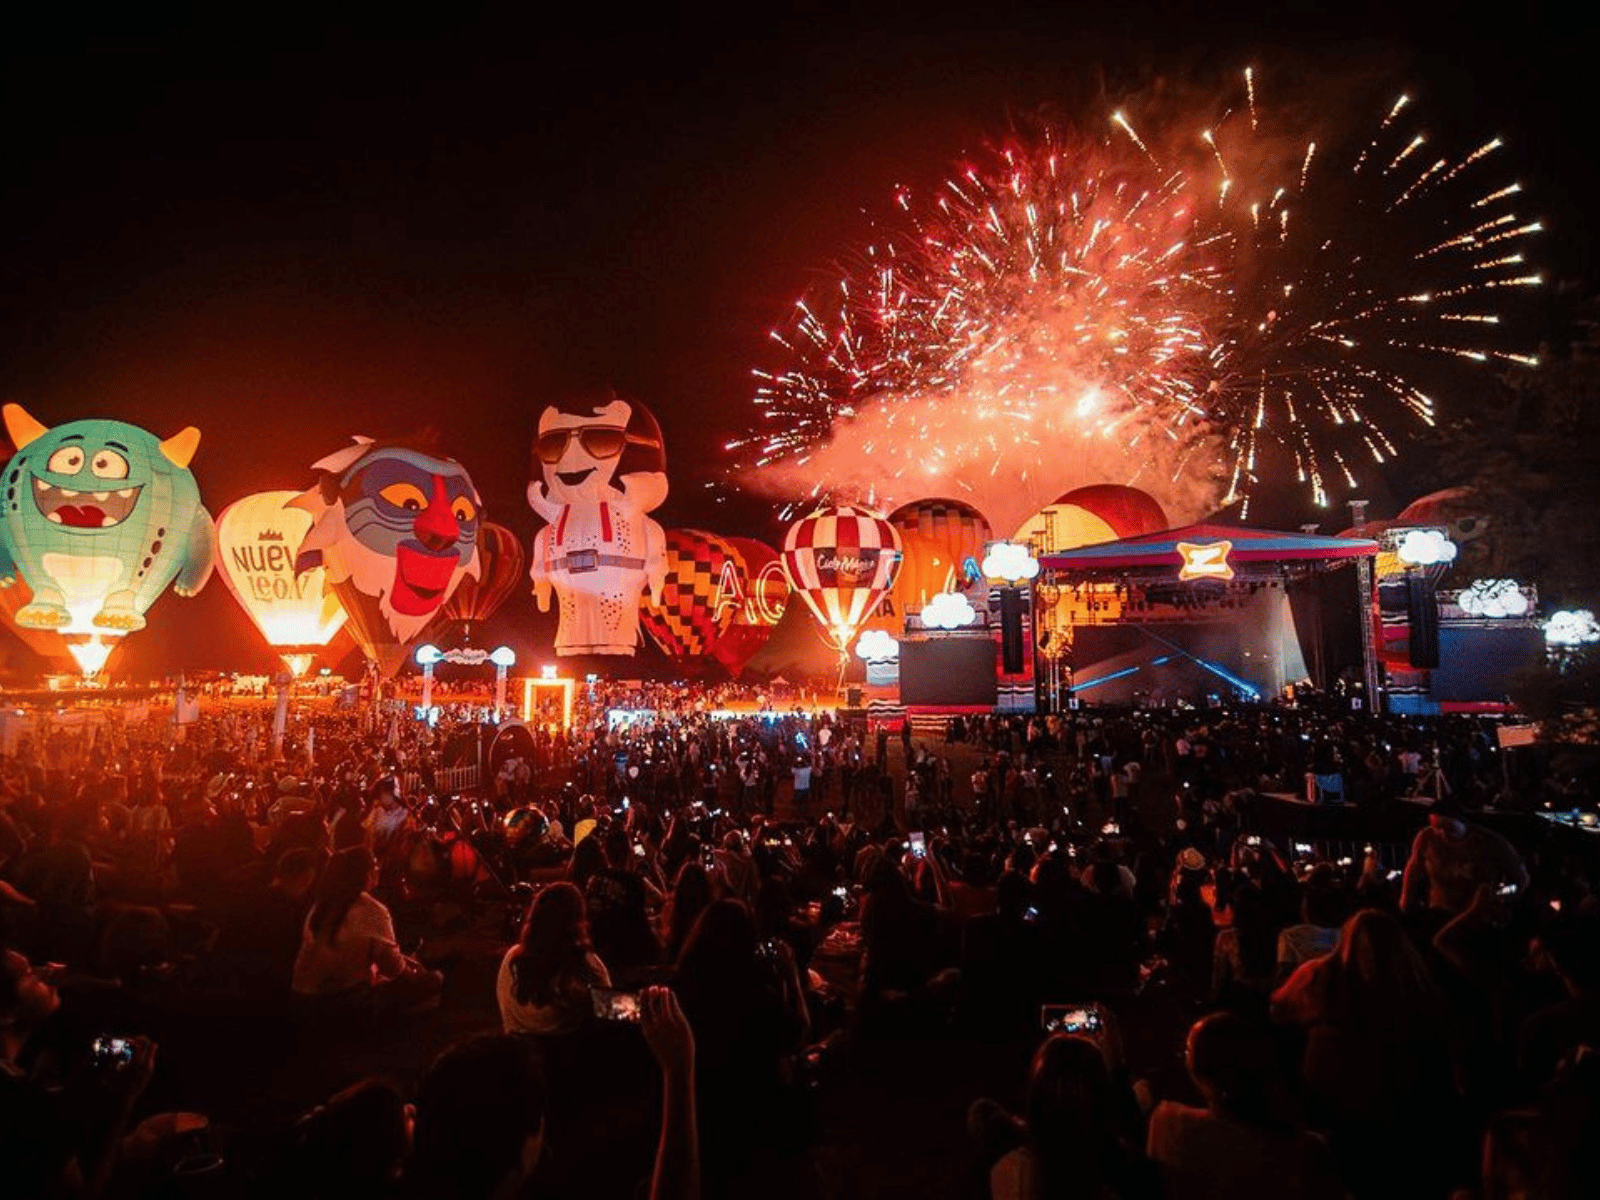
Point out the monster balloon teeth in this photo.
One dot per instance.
(64, 506)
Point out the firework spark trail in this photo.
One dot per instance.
(1072, 311)
(1349, 310)
(1035, 322)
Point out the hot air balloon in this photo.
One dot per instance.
(100, 517)
(702, 592)
(46, 643)
(397, 531)
(1086, 516)
(958, 530)
(500, 567)
(296, 614)
(766, 597)
(602, 468)
(841, 561)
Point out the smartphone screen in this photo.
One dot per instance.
(1071, 1018)
(612, 1005)
(111, 1052)
(919, 846)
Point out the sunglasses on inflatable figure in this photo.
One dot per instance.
(598, 441)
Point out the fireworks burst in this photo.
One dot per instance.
(1038, 309)
(1072, 311)
(1351, 275)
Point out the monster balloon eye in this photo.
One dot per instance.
(405, 495)
(66, 461)
(464, 510)
(108, 464)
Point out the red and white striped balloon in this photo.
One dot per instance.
(840, 561)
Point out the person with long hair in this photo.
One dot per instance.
(546, 975)
(349, 946)
(1071, 1130)
(745, 1003)
(1376, 1065)
(691, 892)
(1245, 954)
(1246, 1141)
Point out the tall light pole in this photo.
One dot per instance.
(1369, 660)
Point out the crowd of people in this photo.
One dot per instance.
(697, 918)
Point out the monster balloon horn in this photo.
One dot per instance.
(397, 530)
(100, 517)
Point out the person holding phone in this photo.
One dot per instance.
(47, 1147)
(545, 977)
(1075, 1136)
(1450, 857)
(691, 892)
(746, 1003)
(618, 898)
(1246, 1140)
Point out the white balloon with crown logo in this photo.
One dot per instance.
(256, 540)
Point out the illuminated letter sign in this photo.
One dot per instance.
(1208, 561)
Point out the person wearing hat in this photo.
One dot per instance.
(1451, 858)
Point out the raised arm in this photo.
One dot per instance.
(666, 1030)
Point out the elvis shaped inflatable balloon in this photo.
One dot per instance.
(397, 531)
(99, 517)
(602, 468)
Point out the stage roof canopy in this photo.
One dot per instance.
(1193, 547)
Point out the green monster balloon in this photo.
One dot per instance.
(99, 517)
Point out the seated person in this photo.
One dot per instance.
(57, 1140)
(480, 1115)
(1244, 1142)
(1072, 1139)
(260, 939)
(351, 1146)
(348, 950)
(545, 977)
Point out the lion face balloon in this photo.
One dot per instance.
(395, 525)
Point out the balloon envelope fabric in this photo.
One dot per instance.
(766, 597)
(701, 594)
(500, 571)
(256, 541)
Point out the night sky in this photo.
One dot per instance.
(290, 231)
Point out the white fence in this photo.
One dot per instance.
(445, 782)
